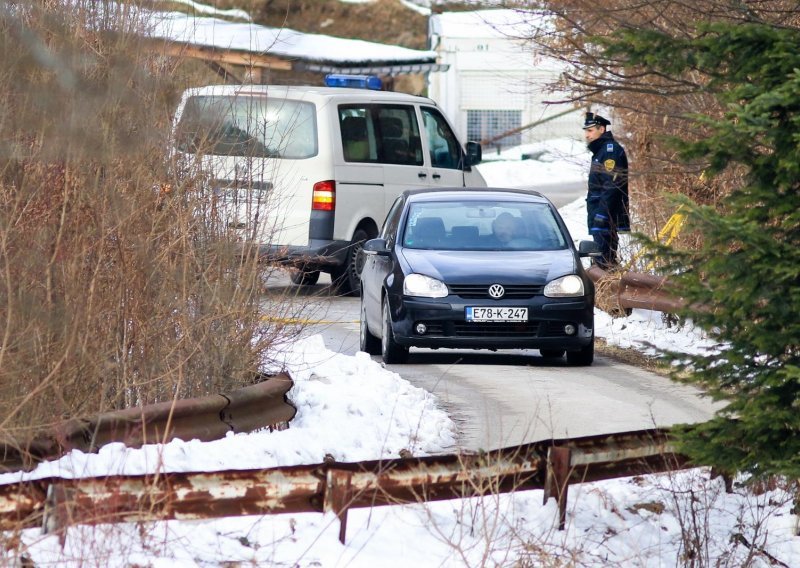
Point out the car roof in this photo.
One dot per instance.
(474, 194)
(304, 92)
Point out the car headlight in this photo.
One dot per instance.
(425, 286)
(564, 287)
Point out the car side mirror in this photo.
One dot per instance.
(376, 246)
(589, 248)
(474, 154)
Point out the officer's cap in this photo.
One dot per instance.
(594, 120)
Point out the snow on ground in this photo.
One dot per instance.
(354, 409)
(550, 162)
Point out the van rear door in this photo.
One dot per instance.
(253, 149)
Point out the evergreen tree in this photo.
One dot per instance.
(742, 285)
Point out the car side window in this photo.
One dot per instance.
(390, 226)
(443, 145)
(380, 134)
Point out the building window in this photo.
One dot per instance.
(486, 124)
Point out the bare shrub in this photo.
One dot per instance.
(118, 288)
(649, 108)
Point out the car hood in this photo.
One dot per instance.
(480, 267)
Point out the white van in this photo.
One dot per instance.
(308, 173)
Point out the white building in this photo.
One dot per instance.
(497, 82)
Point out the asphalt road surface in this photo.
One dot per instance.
(506, 398)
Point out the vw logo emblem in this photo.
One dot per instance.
(496, 291)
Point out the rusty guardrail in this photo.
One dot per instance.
(635, 290)
(552, 465)
(261, 405)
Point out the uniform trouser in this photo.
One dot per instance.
(608, 242)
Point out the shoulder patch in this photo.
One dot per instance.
(609, 164)
(609, 147)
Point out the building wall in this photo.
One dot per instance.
(495, 82)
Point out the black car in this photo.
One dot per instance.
(476, 268)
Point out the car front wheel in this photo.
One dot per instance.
(551, 353)
(582, 358)
(368, 343)
(391, 351)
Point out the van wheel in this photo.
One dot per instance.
(347, 278)
(302, 278)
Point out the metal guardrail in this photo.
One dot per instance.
(637, 290)
(263, 405)
(552, 465)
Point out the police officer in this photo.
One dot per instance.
(607, 199)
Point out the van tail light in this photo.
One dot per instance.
(324, 196)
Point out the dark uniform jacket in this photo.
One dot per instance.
(608, 184)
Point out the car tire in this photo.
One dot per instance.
(551, 353)
(582, 358)
(368, 343)
(347, 277)
(302, 278)
(391, 351)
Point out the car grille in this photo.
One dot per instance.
(497, 329)
(479, 291)
(530, 329)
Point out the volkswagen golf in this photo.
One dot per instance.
(478, 268)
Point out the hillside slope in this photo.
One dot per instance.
(382, 21)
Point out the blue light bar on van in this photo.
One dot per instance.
(354, 81)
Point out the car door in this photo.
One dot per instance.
(443, 149)
(377, 267)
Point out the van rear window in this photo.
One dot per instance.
(259, 127)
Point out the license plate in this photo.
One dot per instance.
(496, 314)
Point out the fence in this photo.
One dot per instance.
(630, 290)
(262, 405)
(552, 465)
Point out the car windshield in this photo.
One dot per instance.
(485, 225)
(247, 126)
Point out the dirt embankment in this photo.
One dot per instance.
(382, 21)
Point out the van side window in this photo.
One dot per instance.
(442, 142)
(399, 136)
(355, 137)
(257, 127)
(383, 134)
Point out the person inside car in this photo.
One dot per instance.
(503, 229)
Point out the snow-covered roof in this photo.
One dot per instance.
(280, 42)
(503, 23)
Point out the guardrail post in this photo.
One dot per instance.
(338, 496)
(57, 515)
(556, 482)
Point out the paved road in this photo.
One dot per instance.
(560, 193)
(513, 397)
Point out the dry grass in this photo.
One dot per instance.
(631, 357)
(114, 292)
